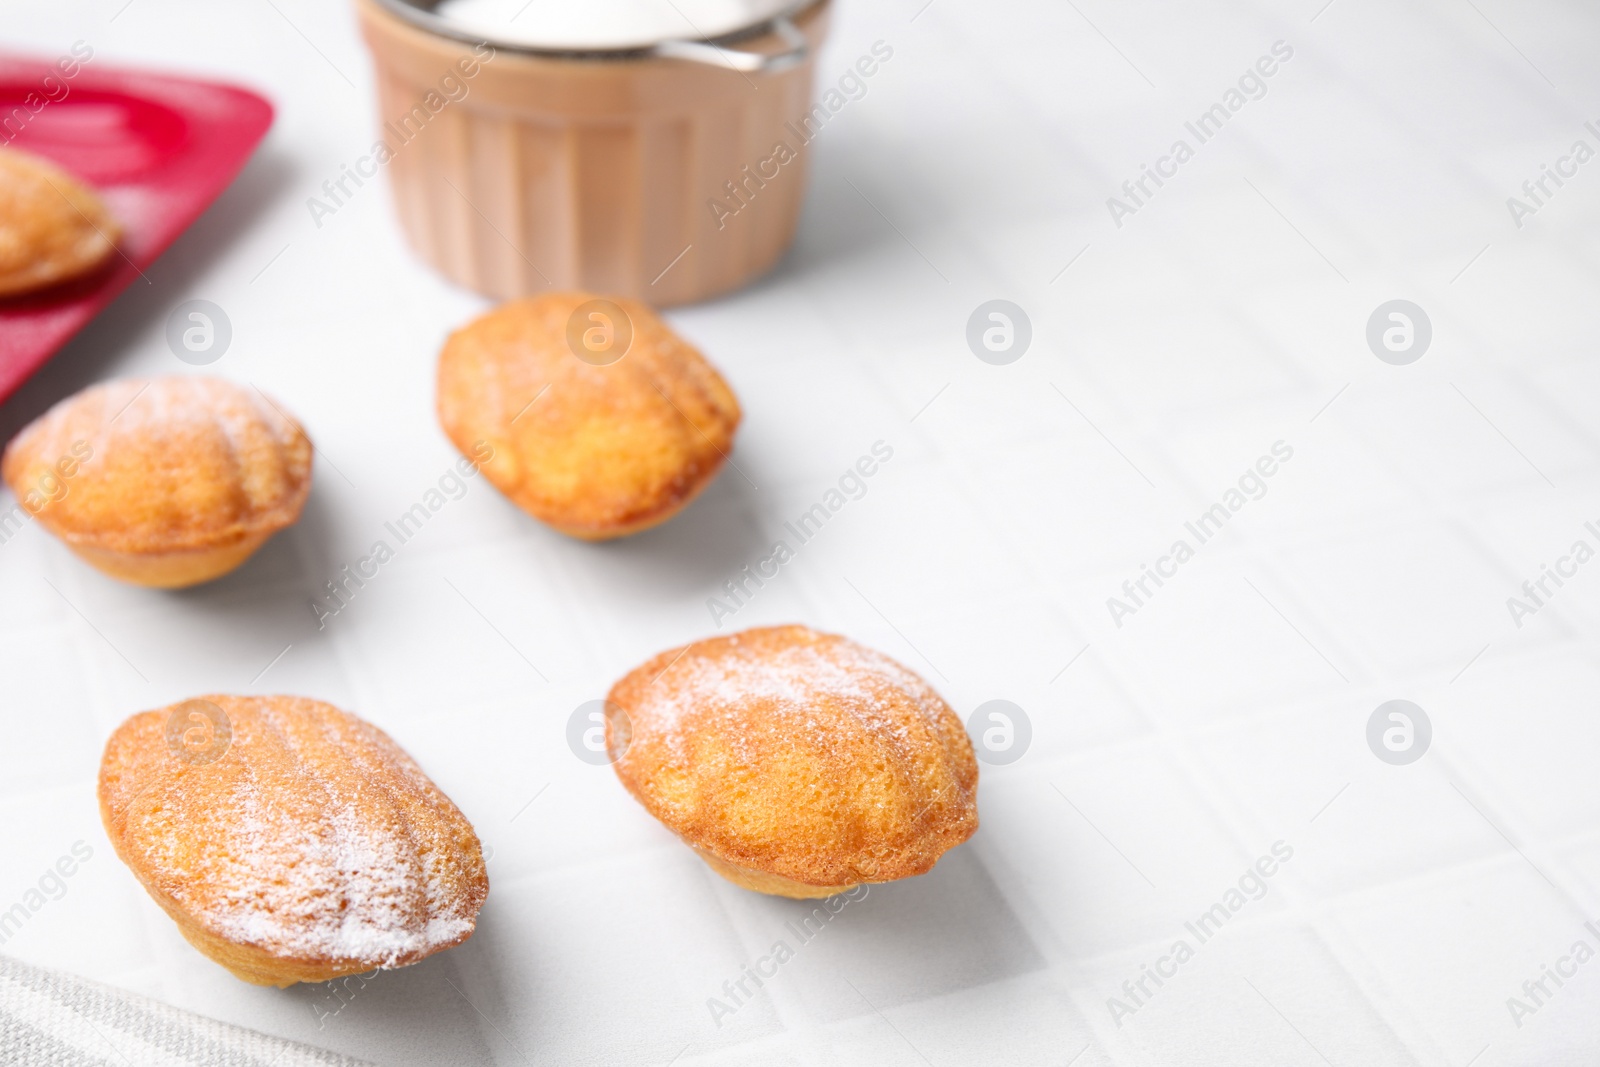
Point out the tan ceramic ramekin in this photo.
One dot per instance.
(595, 171)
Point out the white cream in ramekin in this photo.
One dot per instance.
(604, 24)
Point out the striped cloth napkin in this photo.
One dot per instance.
(50, 1019)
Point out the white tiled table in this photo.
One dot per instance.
(1167, 754)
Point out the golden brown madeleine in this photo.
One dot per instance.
(165, 482)
(597, 445)
(52, 227)
(795, 762)
(291, 841)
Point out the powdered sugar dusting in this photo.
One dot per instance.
(792, 681)
(315, 838)
(348, 893)
(798, 754)
(166, 464)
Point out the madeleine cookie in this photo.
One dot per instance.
(52, 227)
(795, 762)
(290, 841)
(602, 420)
(173, 481)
